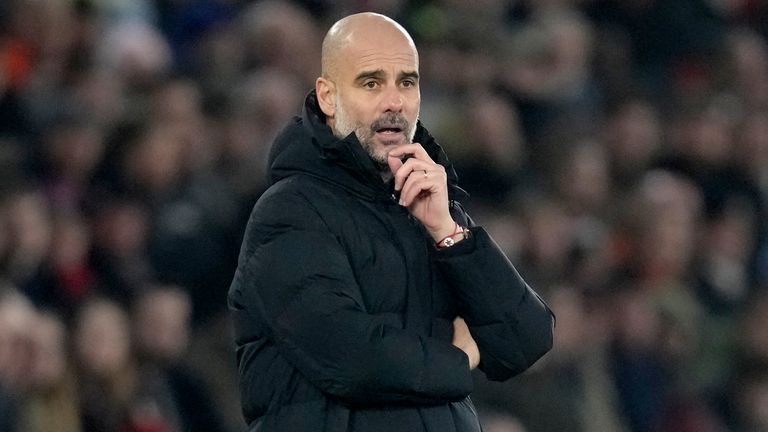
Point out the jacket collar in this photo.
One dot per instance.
(308, 145)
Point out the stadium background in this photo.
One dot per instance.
(617, 150)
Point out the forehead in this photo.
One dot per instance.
(388, 50)
(373, 59)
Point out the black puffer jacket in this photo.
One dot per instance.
(343, 307)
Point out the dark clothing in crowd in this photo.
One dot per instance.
(343, 307)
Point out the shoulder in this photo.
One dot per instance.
(297, 202)
(292, 197)
(288, 206)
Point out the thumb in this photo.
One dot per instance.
(394, 163)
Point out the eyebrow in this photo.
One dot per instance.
(414, 75)
(380, 74)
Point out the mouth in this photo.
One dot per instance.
(389, 131)
(390, 136)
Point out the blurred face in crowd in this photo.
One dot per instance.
(49, 363)
(16, 341)
(161, 323)
(29, 228)
(102, 338)
(370, 83)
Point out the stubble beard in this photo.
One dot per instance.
(344, 125)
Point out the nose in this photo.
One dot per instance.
(393, 100)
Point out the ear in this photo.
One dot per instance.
(326, 96)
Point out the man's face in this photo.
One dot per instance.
(377, 93)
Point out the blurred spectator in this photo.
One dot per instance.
(152, 166)
(282, 35)
(119, 254)
(490, 149)
(259, 105)
(210, 356)
(704, 144)
(744, 399)
(752, 149)
(633, 140)
(66, 278)
(546, 69)
(669, 42)
(190, 209)
(218, 59)
(136, 52)
(582, 184)
(750, 398)
(30, 229)
(550, 55)
(108, 378)
(548, 243)
(728, 244)
(16, 353)
(73, 149)
(657, 347)
(748, 68)
(190, 26)
(582, 181)
(571, 390)
(161, 321)
(52, 402)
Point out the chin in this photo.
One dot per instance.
(381, 157)
(379, 149)
(381, 153)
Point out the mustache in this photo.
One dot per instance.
(390, 120)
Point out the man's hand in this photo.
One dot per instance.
(423, 187)
(463, 340)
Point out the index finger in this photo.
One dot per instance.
(396, 157)
(414, 149)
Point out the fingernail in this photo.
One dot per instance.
(401, 202)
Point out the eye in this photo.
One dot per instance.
(408, 83)
(370, 84)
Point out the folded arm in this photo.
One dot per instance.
(510, 323)
(295, 276)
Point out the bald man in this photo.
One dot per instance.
(364, 294)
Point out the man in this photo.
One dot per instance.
(364, 295)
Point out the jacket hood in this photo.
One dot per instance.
(307, 146)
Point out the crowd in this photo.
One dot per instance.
(616, 150)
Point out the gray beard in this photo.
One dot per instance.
(343, 127)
